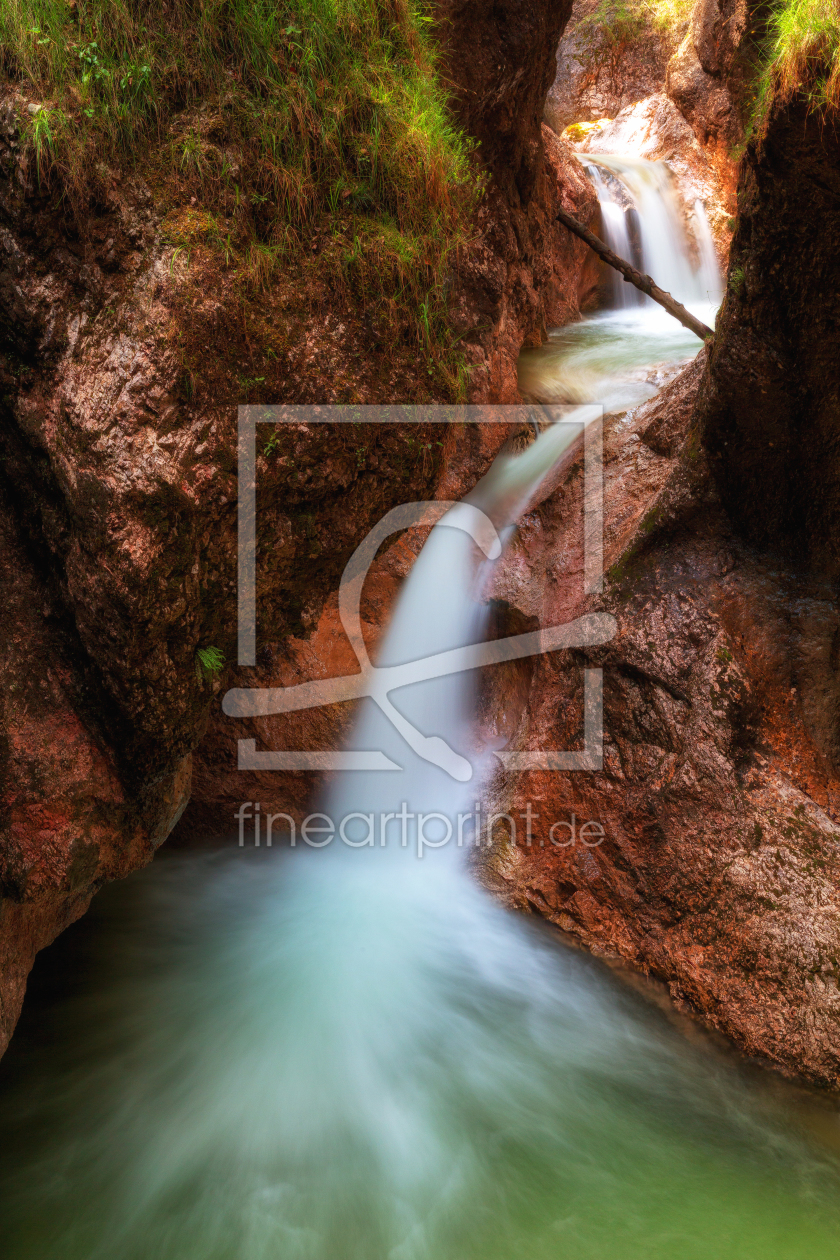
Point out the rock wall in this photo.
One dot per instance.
(522, 276)
(707, 75)
(597, 80)
(719, 797)
(771, 396)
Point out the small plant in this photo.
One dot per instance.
(208, 662)
(737, 280)
(93, 70)
(44, 126)
(191, 155)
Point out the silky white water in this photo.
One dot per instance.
(354, 1054)
(622, 355)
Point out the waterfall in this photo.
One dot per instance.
(647, 188)
(439, 611)
(710, 278)
(624, 353)
(356, 1054)
(615, 229)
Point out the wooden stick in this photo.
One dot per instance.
(671, 305)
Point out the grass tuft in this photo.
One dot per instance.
(802, 55)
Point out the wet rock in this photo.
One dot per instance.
(67, 823)
(719, 796)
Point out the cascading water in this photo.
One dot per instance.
(621, 355)
(354, 1054)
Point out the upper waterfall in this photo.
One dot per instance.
(642, 221)
(625, 352)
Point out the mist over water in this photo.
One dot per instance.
(622, 355)
(355, 1054)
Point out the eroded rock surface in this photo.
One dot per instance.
(707, 74)
(522, 276)
(720, 787)
(599, 77)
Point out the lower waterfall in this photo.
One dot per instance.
(352, 1053)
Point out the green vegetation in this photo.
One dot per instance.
(802, 55)
(606, 32)
(208, 661)
(737, 280)
(293, 126)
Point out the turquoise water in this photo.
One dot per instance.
(253, 1055)
(355, 1054)
(617, 358)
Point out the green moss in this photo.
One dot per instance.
(651, 520)
(737, 280)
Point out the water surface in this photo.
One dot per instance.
(301, 1055)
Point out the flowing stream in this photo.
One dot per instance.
(622, 355)
(352, 1053)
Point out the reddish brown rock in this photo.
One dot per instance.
(719, 794)
(68, 823)
(521, 276)
(708, 78)
(599, 75)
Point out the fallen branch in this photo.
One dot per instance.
(671, 305)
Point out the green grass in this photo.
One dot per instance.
(802, 55)
(614, 26)
(283, 120)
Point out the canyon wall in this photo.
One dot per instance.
(712, 857)
(771, 396)
(719, 797)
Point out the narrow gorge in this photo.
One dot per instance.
(420, 776)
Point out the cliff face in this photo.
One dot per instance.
(598, 75)
(122, 357)
(771, 396)
(719, 797)
(523, 275)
